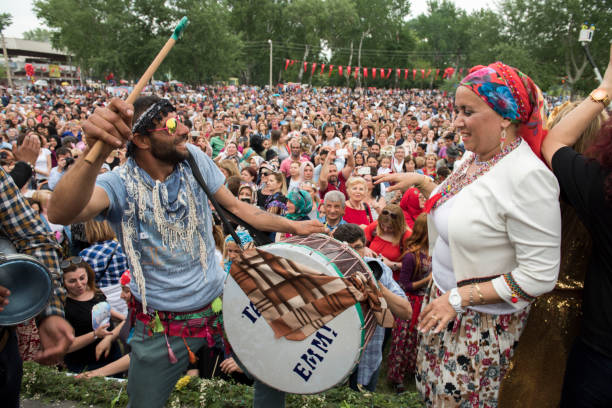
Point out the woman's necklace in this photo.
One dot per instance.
(460, 178)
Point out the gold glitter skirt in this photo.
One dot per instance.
(535, 376)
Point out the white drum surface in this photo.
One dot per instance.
(315, 364)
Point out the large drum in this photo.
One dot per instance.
(325, 358)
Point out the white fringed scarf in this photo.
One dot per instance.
(177, 232)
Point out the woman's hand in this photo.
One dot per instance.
(89, 374)
(436, 315)
(229, 366)
(104, 347)
(399, 181)
(101, 331)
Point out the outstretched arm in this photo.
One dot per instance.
(263, 220)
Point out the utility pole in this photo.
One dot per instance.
(270, 42)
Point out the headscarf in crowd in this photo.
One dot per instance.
(513, 95)
(411, 206)
(303, 204)
(244, 236)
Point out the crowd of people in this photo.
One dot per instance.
(453, 195)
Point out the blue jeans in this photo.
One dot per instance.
(588, 378)
(371, 386)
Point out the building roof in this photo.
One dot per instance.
(18, 46)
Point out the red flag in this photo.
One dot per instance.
(365, 72)
(413, 74)
(29, 69)
(428, 72)
(460, 71)
(373, 73)
(397, 71)
(292, 62)
(348, 71)
(314, 66)
(437, 73)
(422, 74)
(331, 69)
(305, 66)
(340, 70)
(388, 73)
(406, 73)
(322, 69)
(356, 72)
(286, 64)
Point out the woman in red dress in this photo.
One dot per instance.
(387, 237)
(356, 210)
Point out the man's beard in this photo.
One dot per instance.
(332, 179)
(167, 152)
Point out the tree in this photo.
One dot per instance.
(6, 20)
(548, 30)
(37, 34)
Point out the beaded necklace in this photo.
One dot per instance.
(459, 179)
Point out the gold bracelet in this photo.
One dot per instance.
(482, 302)
(471, 295)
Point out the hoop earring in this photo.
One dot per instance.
(502, 139)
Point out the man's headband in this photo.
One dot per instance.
(145, 121)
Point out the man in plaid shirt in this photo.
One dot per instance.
(20, 225)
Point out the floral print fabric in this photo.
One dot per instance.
(463, 365)
(513, 95)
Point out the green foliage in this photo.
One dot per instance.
(40, 382)
(6, 19)
(230, 38)
(37, 34)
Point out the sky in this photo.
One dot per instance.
(25, 20)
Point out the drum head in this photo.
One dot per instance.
(30, 287)
(313, 365)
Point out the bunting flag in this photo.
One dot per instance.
(384, 73)
(314, 66)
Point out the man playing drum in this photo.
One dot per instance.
(162, 216)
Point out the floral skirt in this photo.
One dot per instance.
(404, 344)
(463, 365)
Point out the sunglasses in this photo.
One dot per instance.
(171, 126)
(73, 260)
(389, 214)
(265, 173)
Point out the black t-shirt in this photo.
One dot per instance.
(582, 186)
(78, 314)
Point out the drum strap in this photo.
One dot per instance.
(260, 238)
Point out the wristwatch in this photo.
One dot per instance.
(600, 95)
(454, 298)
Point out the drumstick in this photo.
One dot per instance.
(95, 152)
